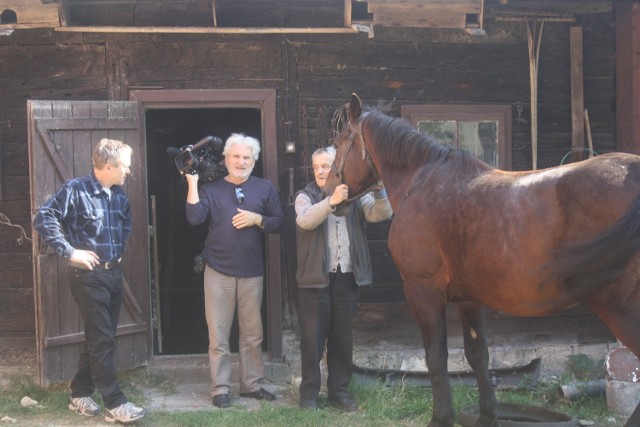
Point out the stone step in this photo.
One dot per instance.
(194, 368)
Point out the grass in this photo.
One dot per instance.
(380, 405)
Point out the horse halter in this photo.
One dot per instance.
(356, 131)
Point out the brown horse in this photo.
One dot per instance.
(524, 243)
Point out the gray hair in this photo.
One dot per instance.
(241, 138)
(330, 150)
(109, 151)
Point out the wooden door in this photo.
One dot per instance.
(62, 135)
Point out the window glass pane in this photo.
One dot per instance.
(443, 131)
(481, 139)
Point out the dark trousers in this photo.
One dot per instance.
(99, 296)
(325, 316)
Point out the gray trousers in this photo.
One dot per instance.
(222, 294)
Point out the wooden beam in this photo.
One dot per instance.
(570, 6)
(206, 30)
(452, 15)
(439, 3)
(577, 93)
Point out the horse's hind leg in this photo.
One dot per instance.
(475, 350)
(619, 309)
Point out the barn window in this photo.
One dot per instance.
(8, 16)
(484, 130)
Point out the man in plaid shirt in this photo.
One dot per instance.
(88, 221)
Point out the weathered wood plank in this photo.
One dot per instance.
(40, 36)
(170, 58)
(57, 60)
(15, 187)
(15, 261)
(452, 15)
(17, 278)
(12, 239)
(18, 351)
(16, 311)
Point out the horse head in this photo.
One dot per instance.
(352, 165)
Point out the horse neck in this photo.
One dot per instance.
(396, 181)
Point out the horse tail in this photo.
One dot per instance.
(586, 266)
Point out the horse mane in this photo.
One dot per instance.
(400, 144)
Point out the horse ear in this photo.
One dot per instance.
(355, 108)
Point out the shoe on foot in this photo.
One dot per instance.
(308, 404)
(125, 413)
(260, 394)
(221, 400)
(347, 404)
(84, 406)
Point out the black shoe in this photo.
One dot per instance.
(260, 394)
(198, 264)
(345, 403)
(308, 404)
(221, 400)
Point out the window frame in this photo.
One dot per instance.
(468, 112)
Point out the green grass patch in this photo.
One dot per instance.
(380, 405)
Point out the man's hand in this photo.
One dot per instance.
(340, 194)
(191, 178)
(87, 258)
(246, 219)
(192, 192)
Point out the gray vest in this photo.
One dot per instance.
(312, 253)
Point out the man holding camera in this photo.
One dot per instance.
(239, 209)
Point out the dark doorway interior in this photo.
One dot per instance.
(182, 319)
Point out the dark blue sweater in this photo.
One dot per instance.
(228, 250)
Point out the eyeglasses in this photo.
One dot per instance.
(239, 195)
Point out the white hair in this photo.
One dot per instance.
(241, 138)
(330, 150)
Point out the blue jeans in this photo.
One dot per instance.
(99, 297)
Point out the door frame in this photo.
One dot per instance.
(265, 101)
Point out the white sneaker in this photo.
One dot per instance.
(84, 406)
(125, 413)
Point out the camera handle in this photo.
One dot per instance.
(217, 143)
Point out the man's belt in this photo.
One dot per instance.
(109, 265)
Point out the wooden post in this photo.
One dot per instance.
(628, 76)
(215, 16)
(577, 94)
(348, 7)
(534, 39)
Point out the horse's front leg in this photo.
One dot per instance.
(475, 350)
(429, 310)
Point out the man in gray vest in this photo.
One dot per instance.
(332, 262)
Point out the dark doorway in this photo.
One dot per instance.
(183, 326)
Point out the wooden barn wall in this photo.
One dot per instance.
(312, 76)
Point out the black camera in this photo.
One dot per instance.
(203, 158)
